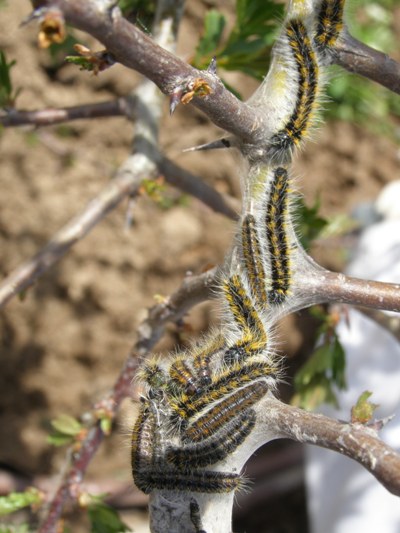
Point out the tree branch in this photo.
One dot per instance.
(317, 285)
(49, 116)
(134, 49)
(358, 442)
(361, 59)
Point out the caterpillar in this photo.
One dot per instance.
(242, 308)
(181, 373)
(276, 229)
(305, 59)
(142, 449)
(235, 377)
(249, 345)
(194, 481)
(253, 260)
(154, 376)
(329, 23)
(223, 412)
(206, 399)
(216, 447)
(202, 358)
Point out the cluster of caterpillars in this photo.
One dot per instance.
(199, 405)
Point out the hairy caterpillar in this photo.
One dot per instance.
(195, 481)
(154, 376)
(241, 306)
(253, 260)
(249, 345)
(235, 377)
(276, 229)
(207, 398)
(203, 356)
(142, 449)
(329, 23)
(307, 89)
(216, 447)
(181, 373)
(224, 411)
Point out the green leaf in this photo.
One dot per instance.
(214, 25)
(248, 45)
(318, 392)
(338, 362)
(318, 363)
(140, 12)
(83, 62)
(66, 425)
(310, 223)
(59, 439)
(106, 425)
(315, 380)
(105, 519)
(7, 98)
(18, 500)
(364, 410)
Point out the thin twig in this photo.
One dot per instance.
(357, 441)
(195, 186)
(46, 117)
(126, 183)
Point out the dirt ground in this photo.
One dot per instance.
(62, 345)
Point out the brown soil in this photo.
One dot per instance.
(64, 342)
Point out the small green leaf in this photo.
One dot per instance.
(311, 224)
(59, 439)
(7, 95)
(318, 391)
(325, 368)
(66, 425)
(338, 364)
(214, 25)
(18, 500)
(106, 425)
(318, 363)
(105, 519)
(364, 410)
(83, 62)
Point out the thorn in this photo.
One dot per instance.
(175, 99)
(213, 145)
(377, 425)
(212, 67)
(35, 14)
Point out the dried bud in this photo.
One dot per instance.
(52, 29)
(187, 91)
